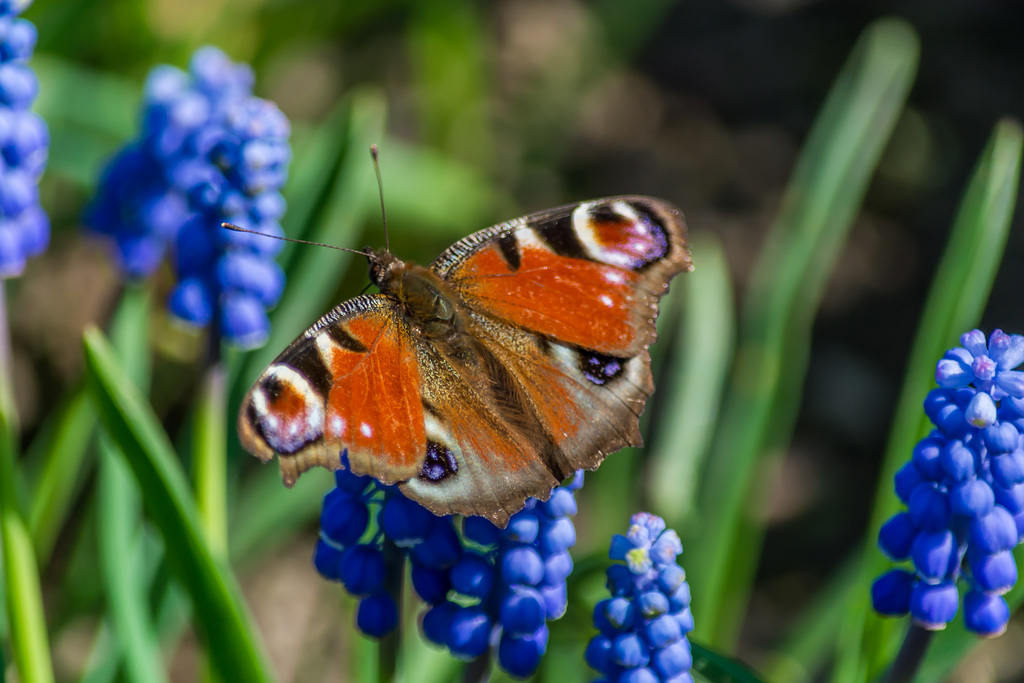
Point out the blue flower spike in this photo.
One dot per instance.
(488, 591)
(24, 146)
(643, 626)
(208, 153)
(964, 492)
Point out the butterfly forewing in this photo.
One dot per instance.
(542, 369)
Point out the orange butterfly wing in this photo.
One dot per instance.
(352, 380)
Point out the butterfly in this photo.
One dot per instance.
(519, 356)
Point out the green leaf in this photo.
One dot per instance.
(955, 304)
(120, 531)
(717, 668)
(220, 612)
(701, 355)
(26, 619)
(823, 197)
(60, 450)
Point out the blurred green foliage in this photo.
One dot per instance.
(482, 111)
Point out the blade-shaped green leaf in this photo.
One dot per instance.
(220, 612)
(701, 356)
(821, 202)
(26, 620)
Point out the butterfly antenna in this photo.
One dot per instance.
(380, 190)
(231, 226)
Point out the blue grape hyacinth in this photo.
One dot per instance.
(24, 146)
(643, 625)
(488, 590)
(964, 492)
(208, 153)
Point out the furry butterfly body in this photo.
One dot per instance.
(519, 356)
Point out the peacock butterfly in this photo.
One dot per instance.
(519, 356)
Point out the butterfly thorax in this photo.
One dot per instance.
(423, 296)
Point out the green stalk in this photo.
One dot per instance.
(209, 456)
(26, 618)
(120, 533)
(209, 459)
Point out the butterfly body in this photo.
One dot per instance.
(517, 357)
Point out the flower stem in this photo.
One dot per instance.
(26, 618)
(479, 669)
(210, 452)
(388, 650)
(912, 652)
(210, 457)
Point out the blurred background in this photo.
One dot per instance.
(487, 110)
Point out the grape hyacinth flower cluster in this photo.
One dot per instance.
(643, 626)
(208, 152)
(484, 587)
(24, 146)
(964, 492)
(515, 578)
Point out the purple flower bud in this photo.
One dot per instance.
(1012, 382)
(1007, 469)
(974, 342)
(954, 370)
(243, 320)
(663, 631)
(673, 660)
(377, 615)
(890, 593)
(994, 573)
(362, 569)
(430, 584)
(957, 461)
(522, 527)
(929, 508)
(629, 651)
(472, 575)
(972, 498)
(981, 411)
(405, 522)
(469, 632)
(522, 610)
(896, 536)
(653, 604)
(907, 479)
(932, 606)
(343, 518)
(519, 654)
(481, 531)
(994, 532)
(934, 555)
(522, 565)
(599, 654)
(927, 457)
(1008, 352)
(985, 614)
(1001, 438)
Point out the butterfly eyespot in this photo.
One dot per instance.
(599, 368)
(439, 464)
